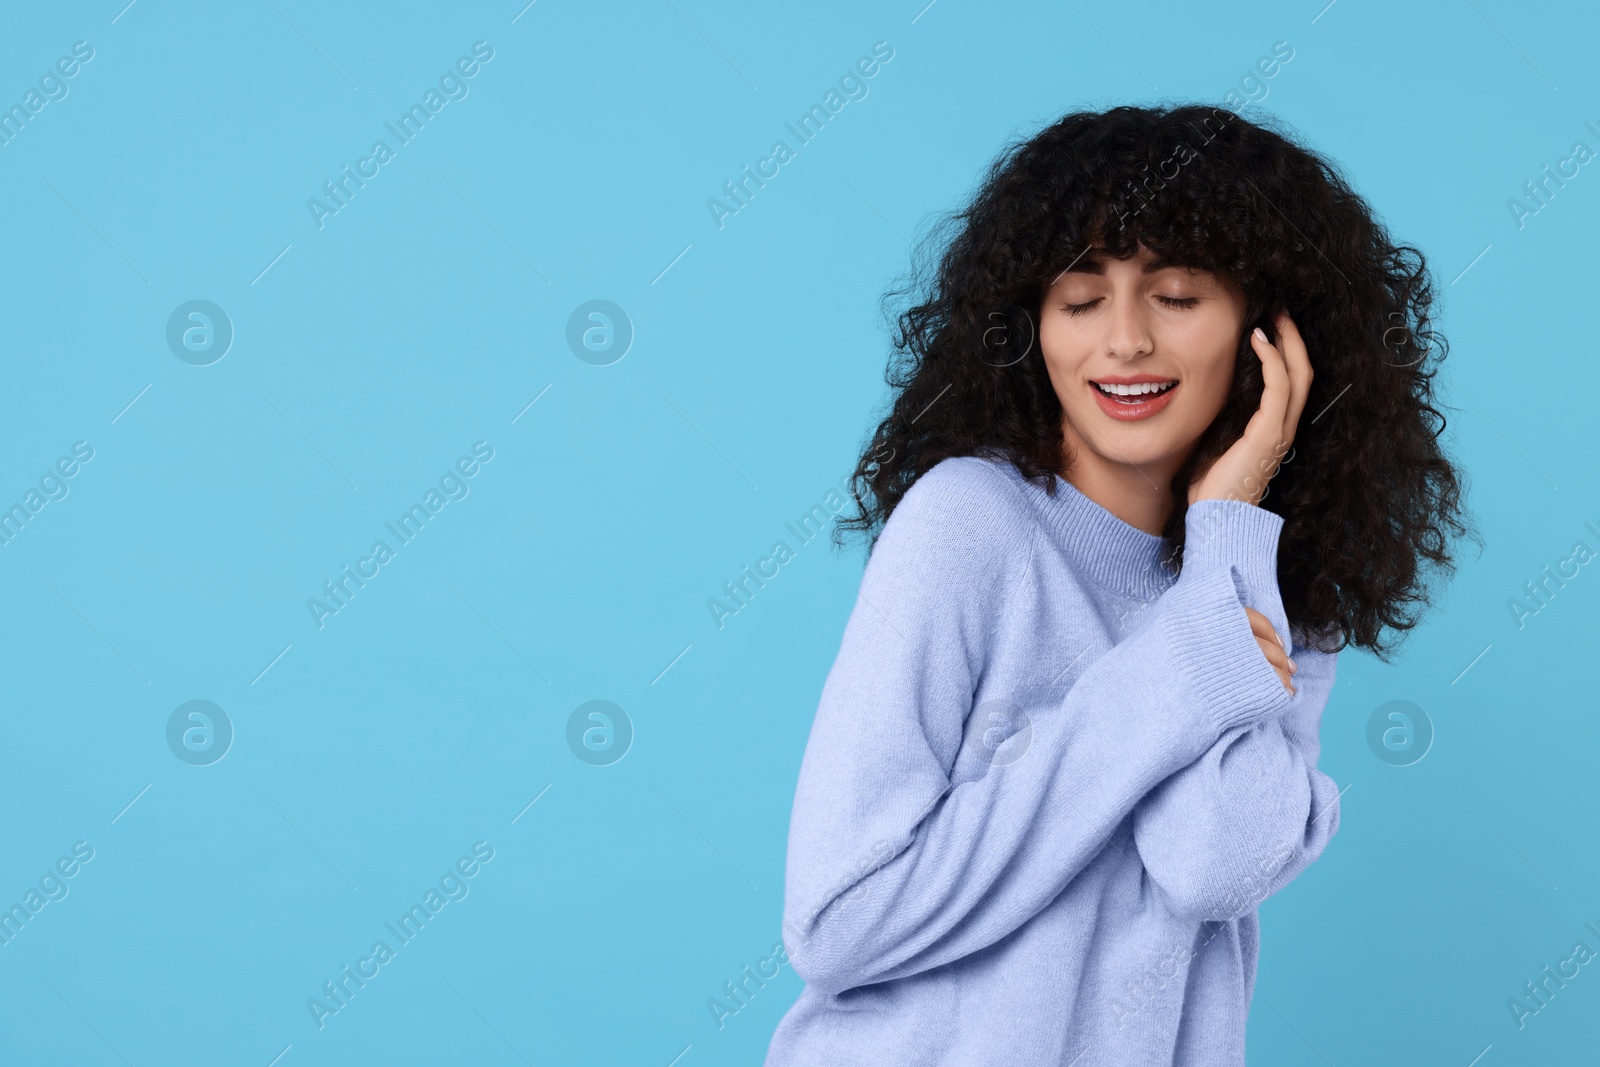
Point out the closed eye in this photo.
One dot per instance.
(1181, 302)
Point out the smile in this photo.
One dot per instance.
(1136, 399)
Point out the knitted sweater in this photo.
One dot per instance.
(1046, 786)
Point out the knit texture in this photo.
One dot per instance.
(1047, 785)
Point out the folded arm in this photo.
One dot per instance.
(892, 868)
(1238, 824)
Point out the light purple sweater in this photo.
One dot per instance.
(1046, 787)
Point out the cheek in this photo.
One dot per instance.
(1216, 381)
(1210, 366)
(1050, 350)
(1060, 345)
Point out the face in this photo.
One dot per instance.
(1141, 355)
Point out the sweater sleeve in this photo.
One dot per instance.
(893, 867)
(1237, 825)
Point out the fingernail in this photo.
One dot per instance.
(1259, 335)
(1293, 669)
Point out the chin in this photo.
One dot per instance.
(1135, 453)
(1131, 445)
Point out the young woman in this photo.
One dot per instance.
(1070, 740)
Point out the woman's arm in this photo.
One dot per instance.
(1237, 825)
(892, 869)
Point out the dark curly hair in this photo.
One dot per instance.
(1370, 501)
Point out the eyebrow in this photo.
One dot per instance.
(1094, 263)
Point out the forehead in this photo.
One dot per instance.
(1094, 260)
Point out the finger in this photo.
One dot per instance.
(1275, 396)
(1275, 656)
(1283, 676)
(1272, 650)
(1298, 361)
(1271, 644)
(1275, 378)
(1267, 637)
(1261, 626)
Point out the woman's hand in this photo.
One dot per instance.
(1242, 472)
(1271, 647)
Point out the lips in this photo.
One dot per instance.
(1131, 397)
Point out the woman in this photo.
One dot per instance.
(1070, 740)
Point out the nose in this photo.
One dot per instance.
(1128, 334)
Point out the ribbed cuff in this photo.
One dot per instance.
(1220, 534)
(1233, 533)
(1217, 652)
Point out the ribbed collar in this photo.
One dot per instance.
(1121, 557)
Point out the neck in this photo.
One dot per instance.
(1140, 496)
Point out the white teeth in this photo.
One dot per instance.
(1136, 389)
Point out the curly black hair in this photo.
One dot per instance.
(1370, 501)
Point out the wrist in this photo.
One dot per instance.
(1250, 494)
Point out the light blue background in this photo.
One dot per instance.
(431, 310)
